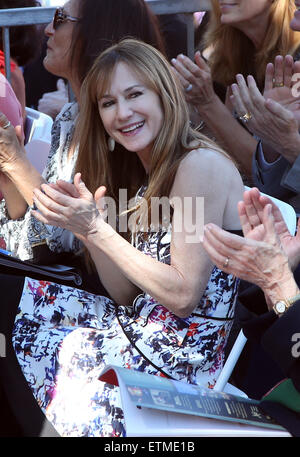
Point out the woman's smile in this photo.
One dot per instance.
(132, 129)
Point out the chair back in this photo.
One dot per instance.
(37, 132)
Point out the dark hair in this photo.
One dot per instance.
(25, 41)
(104, 23)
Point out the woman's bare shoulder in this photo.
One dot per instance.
(206, 171)
(207, 159)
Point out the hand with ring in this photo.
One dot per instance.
(258, 257)
(274, 123)
(245, 117)
(195, 78)
(280, 84)
(280, 79)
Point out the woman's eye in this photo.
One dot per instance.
(135, 94)
(107, 104)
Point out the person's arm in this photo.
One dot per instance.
(16, 206)
(269, 176)
(178, 286)
(233, 137)
(290, 179)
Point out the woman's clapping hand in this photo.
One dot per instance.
(70, 206)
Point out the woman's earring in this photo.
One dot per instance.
(111, 144)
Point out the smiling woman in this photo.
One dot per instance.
(72, 48)
(170, 309)
(131, 113)
(79, 31)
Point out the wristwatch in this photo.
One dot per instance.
(283, 305)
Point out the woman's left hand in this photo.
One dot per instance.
(196, 80)
(10, 144)
(69, 206)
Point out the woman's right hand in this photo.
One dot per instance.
(70, 206)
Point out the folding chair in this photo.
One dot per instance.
(37, 137)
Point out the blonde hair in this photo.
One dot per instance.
(121, 169)
(233, 52)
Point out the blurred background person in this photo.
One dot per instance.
(241, 37)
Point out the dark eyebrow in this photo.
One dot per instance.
(125, 91)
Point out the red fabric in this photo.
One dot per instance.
(2, 64)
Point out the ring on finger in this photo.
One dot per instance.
(8, 124)
(226, 262)
(277, 84)
(245, 117)
(189, 88)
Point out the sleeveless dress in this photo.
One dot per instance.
(64, 337)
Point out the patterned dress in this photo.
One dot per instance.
(64, 337)
(21, 235)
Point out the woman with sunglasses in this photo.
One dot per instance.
(78, 33)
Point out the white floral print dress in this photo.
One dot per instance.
(63, 338)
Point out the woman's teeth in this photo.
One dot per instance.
(133, 127)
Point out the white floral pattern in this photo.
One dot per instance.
(64, 337)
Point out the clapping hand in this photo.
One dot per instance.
(264, 255)
(251, 211)
(280, 84)
(273, 117)
(195, 78)
(70, 206)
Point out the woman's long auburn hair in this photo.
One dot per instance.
(233, 52)
(122, 169)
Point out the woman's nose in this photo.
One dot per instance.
(49, 30)
(124, 110)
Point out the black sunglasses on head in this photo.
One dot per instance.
(60, 17)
